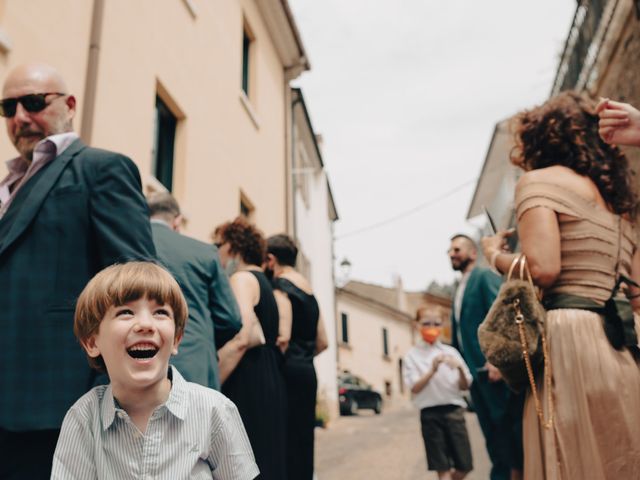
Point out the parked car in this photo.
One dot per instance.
(354, 393)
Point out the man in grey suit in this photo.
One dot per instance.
(214, 317)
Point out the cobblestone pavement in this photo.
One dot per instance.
(386, 446)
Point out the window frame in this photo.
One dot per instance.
(163, 161)
(344, 327)
(385, 341)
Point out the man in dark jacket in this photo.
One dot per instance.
(214, 317)
(499, 411)
(66, 212)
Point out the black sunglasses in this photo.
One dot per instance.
(32, 103)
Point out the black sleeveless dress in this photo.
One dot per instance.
(256, 386)
(300, 380)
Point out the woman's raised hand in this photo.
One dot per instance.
(619, 123)
(496, 242)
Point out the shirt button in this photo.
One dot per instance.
(121, 414)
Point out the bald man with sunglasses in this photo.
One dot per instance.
(66, 212)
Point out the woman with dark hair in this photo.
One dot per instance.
(308, 338)
(575, 211)
(252, 376)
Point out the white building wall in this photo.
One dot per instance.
(363, 355)
(314, 231)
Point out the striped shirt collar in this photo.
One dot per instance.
(177, 404)
(429, 346)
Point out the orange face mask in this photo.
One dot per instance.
(430, 334)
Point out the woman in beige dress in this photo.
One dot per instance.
(575, 212)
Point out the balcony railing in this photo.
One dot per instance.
(580, 48)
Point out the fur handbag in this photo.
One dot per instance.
(512, 334)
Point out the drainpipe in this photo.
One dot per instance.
(91, 78)
(288, 149)
(290, 140)
(294, 182)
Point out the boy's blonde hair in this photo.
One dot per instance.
(122, 283)
(431, 311)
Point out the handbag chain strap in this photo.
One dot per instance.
(519, 318)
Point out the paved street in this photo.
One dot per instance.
(387, 446)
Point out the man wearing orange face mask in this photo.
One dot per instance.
(437, 376)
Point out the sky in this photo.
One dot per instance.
(406, 94)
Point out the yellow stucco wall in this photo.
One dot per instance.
(195, 62)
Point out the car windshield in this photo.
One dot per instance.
(348, 380)
(353, 381)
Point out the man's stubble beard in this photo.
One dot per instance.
(26, 151)
(61, 126)
(462, 266)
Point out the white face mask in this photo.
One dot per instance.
(232, 266)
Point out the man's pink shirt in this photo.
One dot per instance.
(20, 171)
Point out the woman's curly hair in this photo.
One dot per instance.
(244, 239)
(564, 131)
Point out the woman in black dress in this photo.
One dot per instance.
(308, 338)
(252, 375)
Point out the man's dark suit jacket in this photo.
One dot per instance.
(80, 213)
(214, 317)
(480, 292)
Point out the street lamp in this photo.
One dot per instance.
(345, 271)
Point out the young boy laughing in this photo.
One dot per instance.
(148, 422)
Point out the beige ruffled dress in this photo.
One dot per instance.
(596, 389)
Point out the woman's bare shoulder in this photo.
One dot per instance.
(561, 176)
(299, 281)
(244, 279)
